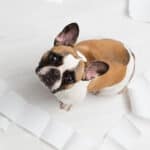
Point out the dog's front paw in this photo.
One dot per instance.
(93, 88)
(65, 107)
(93, 91)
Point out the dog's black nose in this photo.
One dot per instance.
(53, 74)
(51, 77)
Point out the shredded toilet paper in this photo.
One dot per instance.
(4, 123)
(79, 142)
(55, 1)
(59, 135)
(122, 136)
(33, 119)
(139, 95)
(140, 10)
(3, 87)
(11, 105)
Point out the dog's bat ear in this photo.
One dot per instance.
(68, 35)
(95, 68)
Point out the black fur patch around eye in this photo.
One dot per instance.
(55, 59)
(68, 77)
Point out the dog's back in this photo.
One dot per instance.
(112, 52)
(106, 50)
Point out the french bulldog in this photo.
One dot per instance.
(71, 69)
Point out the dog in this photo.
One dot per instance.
(103, 66)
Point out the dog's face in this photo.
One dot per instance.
(61, 67)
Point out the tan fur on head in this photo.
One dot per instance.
(80, 70)
(64, 50)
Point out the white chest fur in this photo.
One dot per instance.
(76, 94)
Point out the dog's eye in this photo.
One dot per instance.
(68, 77)
(55, 59)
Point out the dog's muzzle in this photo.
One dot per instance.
(50, 77)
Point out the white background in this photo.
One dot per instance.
(27, 30)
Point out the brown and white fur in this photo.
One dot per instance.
(70, 70)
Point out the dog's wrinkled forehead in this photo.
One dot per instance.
(65, 50)
(60, 56)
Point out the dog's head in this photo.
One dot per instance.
(61, 67)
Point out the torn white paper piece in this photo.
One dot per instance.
(11, 105)
(111, 144)
(55, 1)
(139, 95)
(147, 76)
(57, 134)
(139, 9)
(33, 119)
(125, 133)
(3, 87)
(79, 142)
(4, 123)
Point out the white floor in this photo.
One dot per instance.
(27, 29)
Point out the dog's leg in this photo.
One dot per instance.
(66, 107)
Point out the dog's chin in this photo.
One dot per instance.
(51, 89)
(54, 91)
